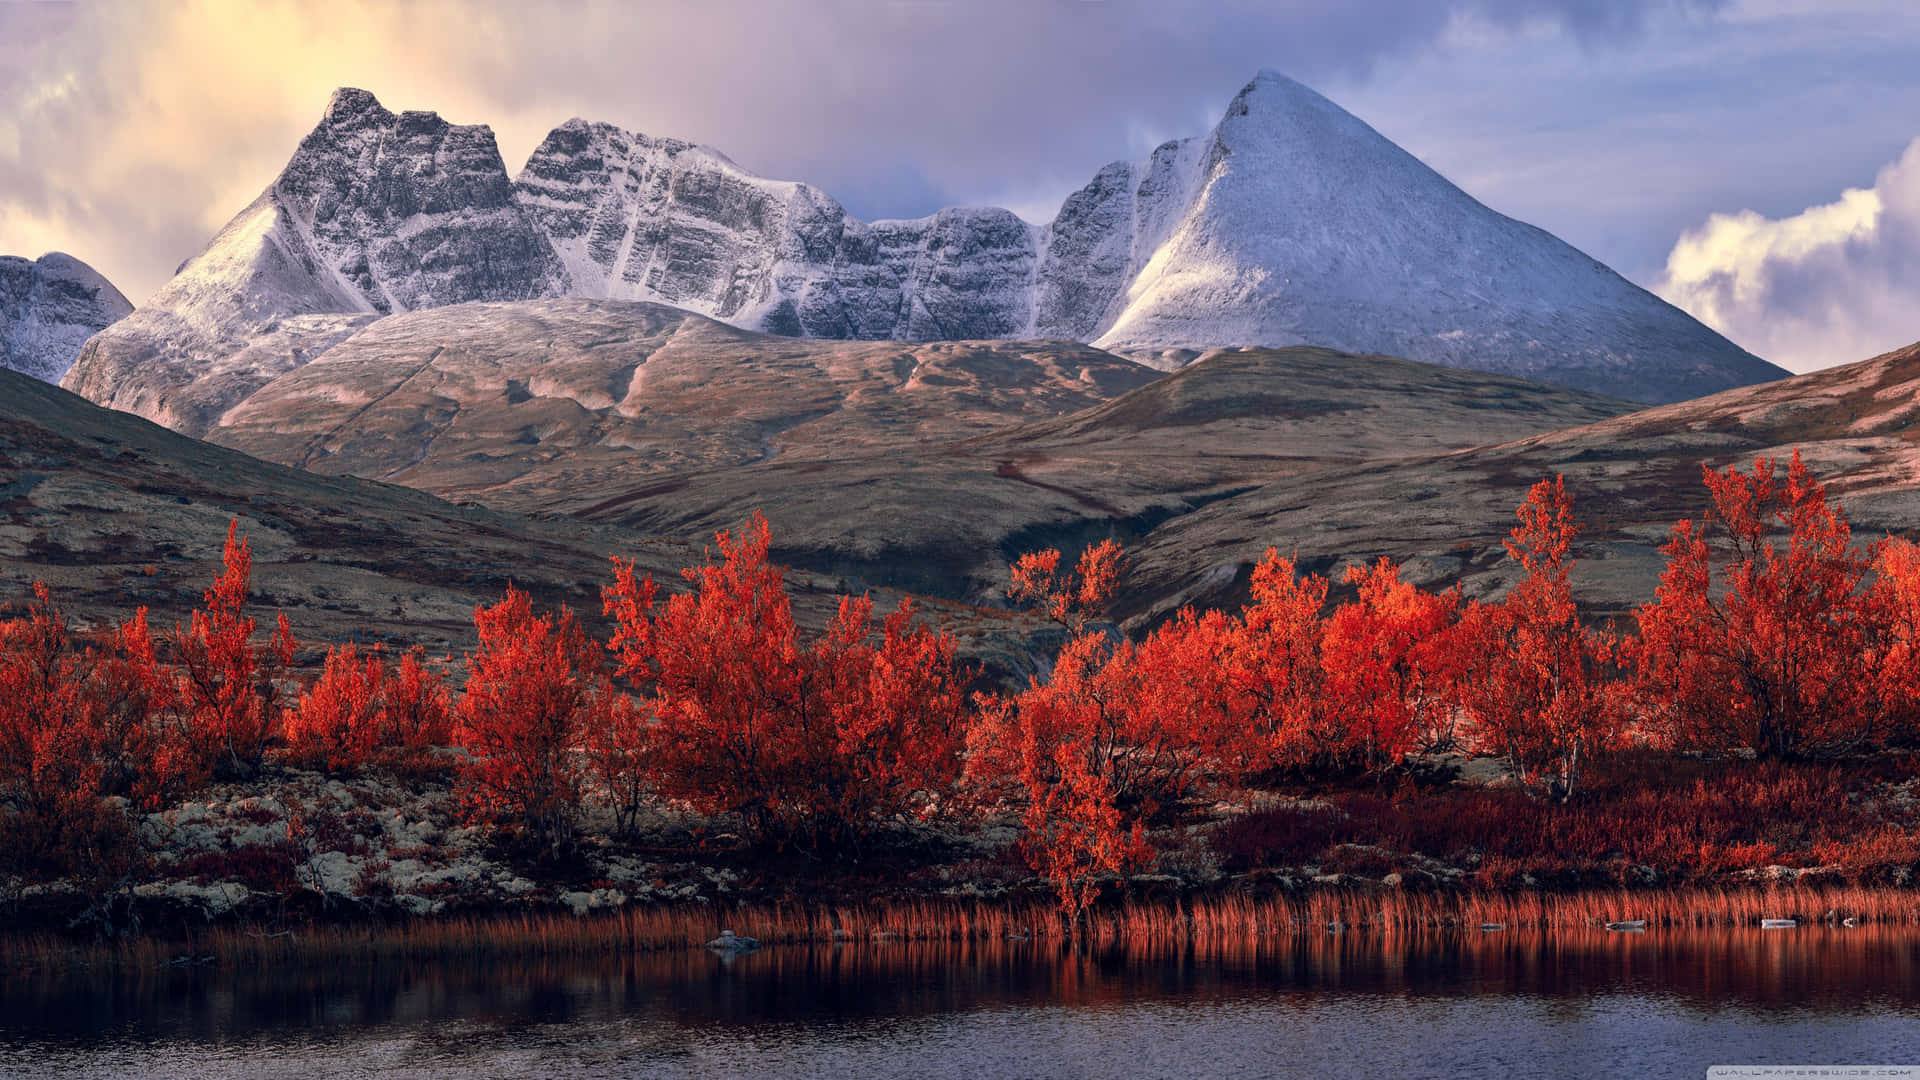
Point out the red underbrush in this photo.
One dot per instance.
(1646, 818)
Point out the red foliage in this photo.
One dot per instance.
(1067, 598)
(227, 690)
(360, 712)
(1291, 722)
(815, 743)
(534, 689)
(1532, 681)
(1390, 657)
(1780, 658)
(1893, 605)
(73, 725)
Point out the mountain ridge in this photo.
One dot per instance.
(1291, 222)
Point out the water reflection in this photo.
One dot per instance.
(1267, 1006)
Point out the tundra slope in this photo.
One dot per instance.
(1291, 222)
(49, 307)
(923, 466)
(1632, 476)
(113, 511)
(529, 404)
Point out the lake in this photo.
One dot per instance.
(1357, 1004)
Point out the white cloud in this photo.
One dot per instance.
(1834, 283)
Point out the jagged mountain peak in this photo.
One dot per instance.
(350, 104)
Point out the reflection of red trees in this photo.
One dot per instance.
(1771, 633)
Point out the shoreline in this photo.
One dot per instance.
(1197, 921)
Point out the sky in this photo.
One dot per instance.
(1756, 162)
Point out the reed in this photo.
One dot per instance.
(1202, 922)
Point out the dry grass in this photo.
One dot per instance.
(1206, 923)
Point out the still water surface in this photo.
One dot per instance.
(1352, 1005)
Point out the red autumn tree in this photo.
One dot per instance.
(808, 743)
(1067, 597)
(1078, 748)
(335, 723)
(1893, 663)
(534, 688)
(416, 713)
(1292, 722)
(617, 759)
(897, 714)
(1532, 678)
(228, 688)
(1390, 657)
(1749, 645)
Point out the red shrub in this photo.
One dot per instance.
(226, 689)
(73, 729)
(809, 742)
(1782, 658)
(1531, 677)
(533, 690)
(361, 712)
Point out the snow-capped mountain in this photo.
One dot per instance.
(1291, 222)
(49, 307)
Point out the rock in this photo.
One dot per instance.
(729, 942)
(375, 213)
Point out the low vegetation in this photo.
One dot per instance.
(1759, 722)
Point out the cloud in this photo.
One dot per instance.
(1834, 283)
(133, 129)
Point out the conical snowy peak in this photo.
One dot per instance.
(49, 307)
(1306, 226)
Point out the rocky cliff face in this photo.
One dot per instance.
(635, 218)
(1291, 222)
(49, 307)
